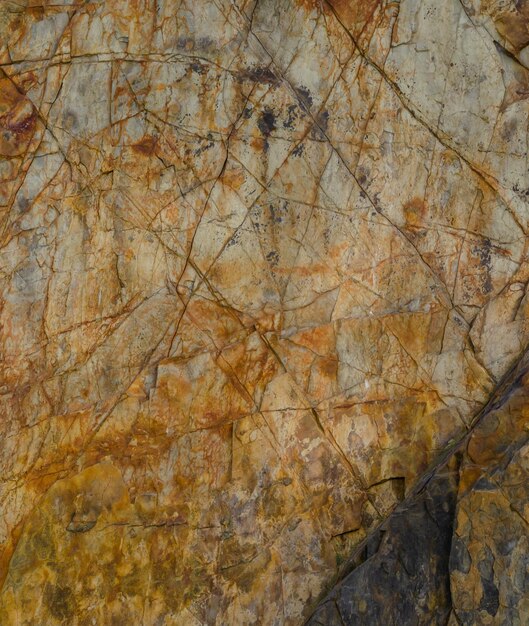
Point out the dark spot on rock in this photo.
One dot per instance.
(319, 128)
(18, 120)
(198, 68)
(304, 96)
(522, 193)
(258, 75)
(205, 42)
(276, 218)
(60, 601)
(484, 484)
(19, 125)
(273, 258)
(267, 122)
(204, 148)
(298, 150)
(323, 120)
(509, 129)
(291, 117)
(490, 600)
(233, 239)
(459, 556)
(23, 204)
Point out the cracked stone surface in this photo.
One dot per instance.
(456, 553)
(263, 263)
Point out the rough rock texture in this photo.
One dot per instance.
(458, 551)
(262, 263)
(406, 581)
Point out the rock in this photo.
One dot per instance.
(407, 580)
(456, 552)
(263, 267)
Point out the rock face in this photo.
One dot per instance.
(263, 267)
(457, 551)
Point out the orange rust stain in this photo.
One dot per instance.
(146, 146)
(233, 178)
(18, 119)
(328, 367)
(355, 14)
(415, 212)
(258, 143)
(316, 339)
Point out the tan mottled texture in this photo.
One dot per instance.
(261, 263)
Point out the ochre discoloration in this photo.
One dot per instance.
(260, 264)
(415, 212)
(147, 146)
(511, 20)
(18, 119)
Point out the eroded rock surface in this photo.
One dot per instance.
(263, 263)
(457, 551)
(405, 576)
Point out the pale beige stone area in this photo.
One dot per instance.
(261, 262)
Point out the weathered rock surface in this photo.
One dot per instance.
(262, 264)
(457, 552)
(406, 580)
